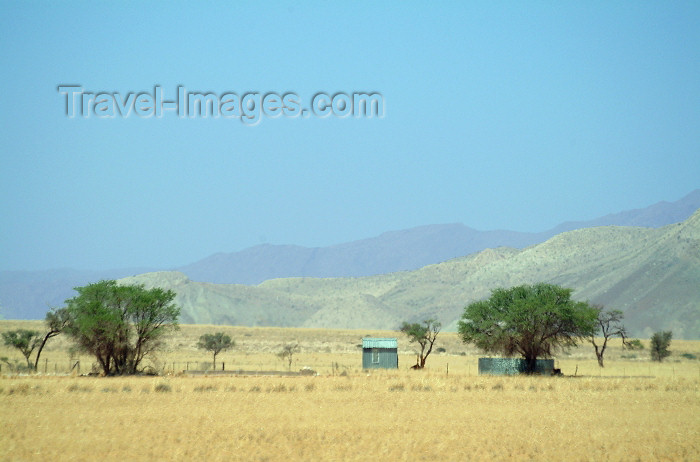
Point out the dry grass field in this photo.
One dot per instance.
(631, 410)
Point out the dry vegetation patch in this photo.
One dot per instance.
(345, 413)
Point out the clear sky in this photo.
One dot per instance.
(498, 115)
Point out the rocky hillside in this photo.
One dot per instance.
(653, 275)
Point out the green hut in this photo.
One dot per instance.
(380, 353)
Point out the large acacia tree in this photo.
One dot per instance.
(120, 324)
(527, 320)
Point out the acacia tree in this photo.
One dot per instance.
(609, 325)
(660, 342)
(529, 320)
(24, 340)
(216, 343)
(288, 352)
(120, 324)
(424, 334)
(56, 321)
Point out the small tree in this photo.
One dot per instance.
(530, 320)
(56, 321)
(24, 340)
(424, 334)
(288, 352)
(660, 342)
(609, 325)
(216, 343)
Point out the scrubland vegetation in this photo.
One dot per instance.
(633, 409)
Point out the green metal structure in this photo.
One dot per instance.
(513, 366)
(380, 353)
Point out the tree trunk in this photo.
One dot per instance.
(105, 364)
(599, 352)
(531, 365)
(41, 347)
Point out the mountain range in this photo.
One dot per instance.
(27, 294)
(652, 275)
(406, 249)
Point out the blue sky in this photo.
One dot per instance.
(498, 115)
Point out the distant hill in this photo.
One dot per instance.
(655, 216)
(27, 294)
(653, 275)
(391, 251)
(405, 250)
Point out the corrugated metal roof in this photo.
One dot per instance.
(380, 343)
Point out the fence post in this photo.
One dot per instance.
(46, 364)
(223, 366)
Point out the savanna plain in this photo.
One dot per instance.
(633, 409)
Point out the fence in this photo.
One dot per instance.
(46, 367)
(351, 363)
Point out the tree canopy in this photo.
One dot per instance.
(527, 320)
(120, 324)
(425, 334)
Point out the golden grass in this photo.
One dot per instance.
(602, 414)
(394, 415)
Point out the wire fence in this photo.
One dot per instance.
(71, 366)
(89, 366)
(342, 365)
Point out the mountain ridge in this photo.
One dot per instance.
(28, 294)
(650, 274)
(407, 249)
